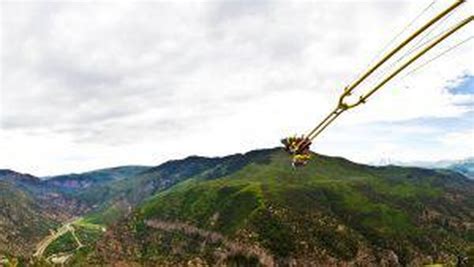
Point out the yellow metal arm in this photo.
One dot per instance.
(414, 58)
(348, 90)
(343, 106)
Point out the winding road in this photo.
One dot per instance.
(65, 228)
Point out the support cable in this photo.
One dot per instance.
(439, 55)
(348, 90)
(420, 43)
(391, 41)
(344, 106)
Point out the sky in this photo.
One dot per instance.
(99, 84)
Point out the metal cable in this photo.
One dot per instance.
(342, 106)
(438, 56)
(363, 98)
(420, 43)
(389, 43)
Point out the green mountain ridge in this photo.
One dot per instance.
(254, 209)
(331, 212)
(119, 197)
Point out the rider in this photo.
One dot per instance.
(299, 148)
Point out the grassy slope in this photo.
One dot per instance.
(331, 210)
(87, 233)
(118, 197)
(331, 204)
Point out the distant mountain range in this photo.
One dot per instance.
(464, 166)
(85, 180)
(249, 209)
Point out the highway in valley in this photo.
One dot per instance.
(65, 228)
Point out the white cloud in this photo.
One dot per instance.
(459, 144)
(88, 85)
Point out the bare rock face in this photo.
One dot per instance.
(389, 259)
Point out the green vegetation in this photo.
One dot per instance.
(213, 204)
(331, 204)
(65, 243)
(255, 208)
(87, 234)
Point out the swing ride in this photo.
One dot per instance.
(299, 147)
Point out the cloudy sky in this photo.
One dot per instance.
(92, 85)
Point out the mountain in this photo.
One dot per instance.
(464, 166)
(23, 221)
(12, 176)
(251, 209)
(21, 180)
(241, 210)
(118, 198)
(86, 180)
(31, 207)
